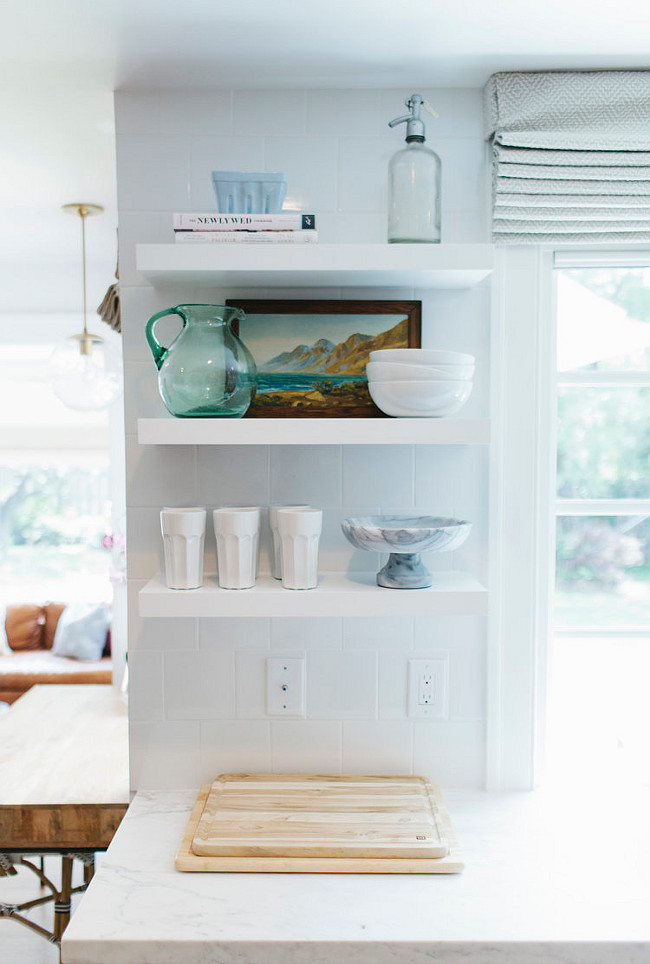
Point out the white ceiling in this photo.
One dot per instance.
(60, 62)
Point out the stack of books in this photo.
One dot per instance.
(290, 227)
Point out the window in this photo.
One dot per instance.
(55, 507)
(599, 715)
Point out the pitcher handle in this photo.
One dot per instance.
(159, 351)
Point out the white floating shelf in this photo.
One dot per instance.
(338, 594)
(322, 265)
(313, 431)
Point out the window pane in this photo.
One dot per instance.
(53, 517)
(603, 444)
(604, 319)
(603, 571)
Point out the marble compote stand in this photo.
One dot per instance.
(405, 537)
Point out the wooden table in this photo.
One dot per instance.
(64, 786)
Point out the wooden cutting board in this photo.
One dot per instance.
(300, 823)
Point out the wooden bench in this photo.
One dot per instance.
(64, 786)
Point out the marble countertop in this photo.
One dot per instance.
(549, 879)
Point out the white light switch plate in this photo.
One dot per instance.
(428, 690)
(285, 687)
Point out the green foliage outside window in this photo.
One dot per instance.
(49, 505)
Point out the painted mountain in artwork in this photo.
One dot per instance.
(349, 357)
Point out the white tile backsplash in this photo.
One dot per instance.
(377, 746)
(305, 746)
(158, 634)
(146, 685)
(308, 474)
(154, 173)
(164, 755)
(234, 633)
(342, 685)
(144, 556)
(160, 475)
(234, 746)
(387, 633)
(275, 112)
(198, 687)
(233, 475)
(463, 173)
(472, 555)
(378, 473)
(351, 227)
(138, 227)
(392, 684)
(437, 478)
(201, 112)
(305, 633)
(363, 173)
(141, 397)
(343, 112)
(138, 112)
(450, 753)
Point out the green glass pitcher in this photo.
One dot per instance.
(207, 371)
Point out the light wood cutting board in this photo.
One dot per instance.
(300, 823)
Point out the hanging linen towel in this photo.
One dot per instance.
(571, 156)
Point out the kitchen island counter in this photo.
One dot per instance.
(548, 878)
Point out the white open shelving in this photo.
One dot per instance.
(313, 431)
(337, 594)
(322, 265)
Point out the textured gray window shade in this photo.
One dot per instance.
(571, 156)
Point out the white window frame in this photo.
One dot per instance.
(523, 498)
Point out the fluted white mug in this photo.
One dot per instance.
(237, 534)
(300, 531)
(255, 508)
(275, 533)
(183, 532)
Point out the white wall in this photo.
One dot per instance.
(196, 686)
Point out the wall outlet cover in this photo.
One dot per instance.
(428, 688)
(285, 687)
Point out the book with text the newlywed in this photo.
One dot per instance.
(246, 237)
(283, 221)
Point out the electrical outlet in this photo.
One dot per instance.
(285, 687)
(428, 690)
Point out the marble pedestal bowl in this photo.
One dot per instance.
(405, 537)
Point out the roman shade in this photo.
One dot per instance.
(571, 156)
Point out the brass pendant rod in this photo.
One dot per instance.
(85, 339)
(82, 214)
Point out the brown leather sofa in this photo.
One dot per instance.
(30, 633)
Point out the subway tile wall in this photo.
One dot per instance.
(196, 700)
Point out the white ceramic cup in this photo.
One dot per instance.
(275, 533)
(237, 534)
(251, 508)
(300, 530)
(183, 532)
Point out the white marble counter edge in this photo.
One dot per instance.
(522, 910)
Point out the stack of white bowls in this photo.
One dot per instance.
(425, 382)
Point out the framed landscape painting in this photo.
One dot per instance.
(311, 355)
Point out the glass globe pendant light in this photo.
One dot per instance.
(85, 371)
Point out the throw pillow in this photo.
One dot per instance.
(4, 645)
(81, 631)
(24, 626)
(52, 612)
